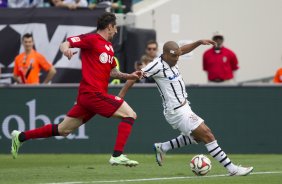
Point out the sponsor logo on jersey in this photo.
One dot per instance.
(103, 57)
(75, 39)
(174, 76)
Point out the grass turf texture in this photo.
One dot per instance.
(88, 168)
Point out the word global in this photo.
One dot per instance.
(17, 121)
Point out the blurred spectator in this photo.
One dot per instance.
(278, 76)
(116, 6)
(25, 3)
(3, 3)
(28, 64)
(70, 4)
(138, 65)
(124, 6)
(152, 49)
(145, 60)
(219, 62)
(151, 52)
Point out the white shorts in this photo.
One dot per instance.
(183, 119)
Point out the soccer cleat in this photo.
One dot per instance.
(123, 160)
(16, 144)
(242, 171)
(159, 153)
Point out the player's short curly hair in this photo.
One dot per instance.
(105, 20)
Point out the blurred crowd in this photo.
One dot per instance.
(219, 62)
(117, 6)
(150, 53)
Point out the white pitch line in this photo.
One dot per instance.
(158, 179)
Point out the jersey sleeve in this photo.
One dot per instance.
(43, 62)
(81, 41)
(152, 69)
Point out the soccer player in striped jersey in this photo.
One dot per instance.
(177, 111)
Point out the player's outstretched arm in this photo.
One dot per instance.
(131, 79)
(65, 49)
(126, 87)
(189, 47)
(115, 73)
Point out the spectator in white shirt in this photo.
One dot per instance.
(25, 3)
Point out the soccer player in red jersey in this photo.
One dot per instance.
(98, 65)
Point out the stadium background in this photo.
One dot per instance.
(250, 106)
(245, 117)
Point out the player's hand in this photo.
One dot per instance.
(69, 53)
(208, 42)
(139, 73)
(135, 75)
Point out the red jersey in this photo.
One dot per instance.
(97, 57)
(220, 65)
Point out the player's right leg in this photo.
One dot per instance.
(128, 116)
(204, 134)
(67, 126)
(108, 105)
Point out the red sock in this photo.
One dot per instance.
(124, 130)
(42, 132)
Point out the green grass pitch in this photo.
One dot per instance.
(94, 168)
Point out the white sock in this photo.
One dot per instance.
(217, 153)
(178, 142)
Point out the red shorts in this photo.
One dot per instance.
(90, 104)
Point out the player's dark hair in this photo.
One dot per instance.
(152, 42)
(27, 35)
(105, 20)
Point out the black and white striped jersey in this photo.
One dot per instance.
(169, 82)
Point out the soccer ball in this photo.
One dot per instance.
(200, 165)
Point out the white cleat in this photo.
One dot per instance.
(242, 171)
(159, 153)
(123, 160)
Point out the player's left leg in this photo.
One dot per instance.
(175, 143)
(204, 134)
(178, 142)
(67, 126)
(183, 119)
